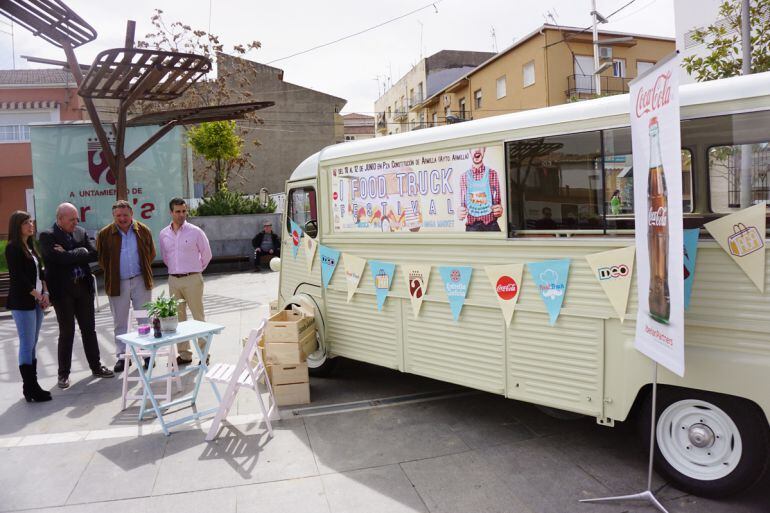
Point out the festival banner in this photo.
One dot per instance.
(329, 259)
(296, 235)
(382, 274)
(690, 238)
(449, 191)
(354, 269)
(614, 270)
(657, 158)
(456, 280)
(550, 276)
(742, 236)
(417, 276)
(506, 282)
(310, 246)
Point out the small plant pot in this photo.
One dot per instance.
(169, 324)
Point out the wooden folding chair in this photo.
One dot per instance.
(169, 352)
(247, 372)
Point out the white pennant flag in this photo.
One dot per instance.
(354, 269)
(416, 276)
(614, 270)
(506, 282)
(310, 246)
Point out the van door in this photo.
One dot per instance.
(301, 207)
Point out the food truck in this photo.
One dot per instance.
(555, 183)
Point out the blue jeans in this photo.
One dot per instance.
(28, 325)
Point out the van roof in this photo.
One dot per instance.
(692, 94)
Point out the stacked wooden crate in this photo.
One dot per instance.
(289, 337)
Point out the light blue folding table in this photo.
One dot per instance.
(186, 330)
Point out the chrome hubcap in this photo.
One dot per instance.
(701, 436)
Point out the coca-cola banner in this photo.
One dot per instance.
(506, 282)
(742, 236)
(614, 270)
(658, 214)
(417, 276)
(354, 269)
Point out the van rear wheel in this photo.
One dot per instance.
(707, 444)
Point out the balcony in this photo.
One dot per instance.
(382, 123)
(415, 100)
(582, 87)
(400, 115)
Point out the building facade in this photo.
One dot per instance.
(396, 107)
(358, 126)
(689, 16)
(28, 96)
(550, 66)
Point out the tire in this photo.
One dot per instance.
(707, 444)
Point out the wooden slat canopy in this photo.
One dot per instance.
(195, 115)
(51, 20)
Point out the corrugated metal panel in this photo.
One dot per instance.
(560, 366)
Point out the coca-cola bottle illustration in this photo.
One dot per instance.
(657, 230)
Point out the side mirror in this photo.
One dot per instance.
(275, 264)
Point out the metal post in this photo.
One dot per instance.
(746, 174)
(597, 77)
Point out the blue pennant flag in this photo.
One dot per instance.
(550, 277)
(296, 237)
(456, 280)
(382, 274)
(329, 260)
(690, 251)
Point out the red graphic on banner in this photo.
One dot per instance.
(506, 288)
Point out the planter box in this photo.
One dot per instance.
(297, 393)
(288, 374)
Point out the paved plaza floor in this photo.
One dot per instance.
(373, 440)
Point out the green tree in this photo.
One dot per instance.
(218, 143)
(723, 40)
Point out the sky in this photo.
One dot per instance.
(356, 68)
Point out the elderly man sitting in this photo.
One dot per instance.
(266, 246)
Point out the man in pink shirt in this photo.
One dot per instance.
(186, 252)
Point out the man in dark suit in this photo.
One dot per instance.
(67, 253)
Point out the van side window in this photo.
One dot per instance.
(302, 210)
(555, 182)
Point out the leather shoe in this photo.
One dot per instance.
(119, 366)
(63, 383)
(102, 372)
(182, 361)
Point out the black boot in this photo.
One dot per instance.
(32, 391)
(40, 390)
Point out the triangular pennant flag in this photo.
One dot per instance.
(690, 239)
(382, 274)
(614, 270)
(416, 276)
(354, 269)
(742, 235)
(310, 246)
(506, 282)
(456, 281)
(296, 235)
(329, 259)
(550, 277)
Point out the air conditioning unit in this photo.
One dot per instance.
(605, 53)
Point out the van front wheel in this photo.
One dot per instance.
(320, 364)
(707, 444)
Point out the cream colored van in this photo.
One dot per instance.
(558, 169)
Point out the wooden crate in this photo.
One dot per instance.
(295, 393)
(288, 374)
(288, 326)
(289, 353)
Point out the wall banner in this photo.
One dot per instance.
(656, 145)
(550, 276)
(354, 269)
(456, 280)
(450, 191)
(310, 246)
(382, 274)
(690, 238)
(417, 276)
(329, 260)
(614, 270)
(742, 236)
(296, 236)
(506, 282)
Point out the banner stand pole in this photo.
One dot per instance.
(646, 495)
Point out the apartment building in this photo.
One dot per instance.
(550, 66)
(358, 126)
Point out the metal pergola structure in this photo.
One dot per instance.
(125, 75)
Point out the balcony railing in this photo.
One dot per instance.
(14, 133)
(400, 114)
(415, 100)
(580, 87)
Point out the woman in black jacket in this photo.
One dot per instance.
(27, 298)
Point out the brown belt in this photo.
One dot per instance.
(183, 275)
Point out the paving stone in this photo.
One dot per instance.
(305, 495)
(374, 490)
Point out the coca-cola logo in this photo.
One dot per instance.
(295, 238)
(658, 217)
(650, 100)
(506, 288)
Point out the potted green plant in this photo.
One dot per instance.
(166, 310)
